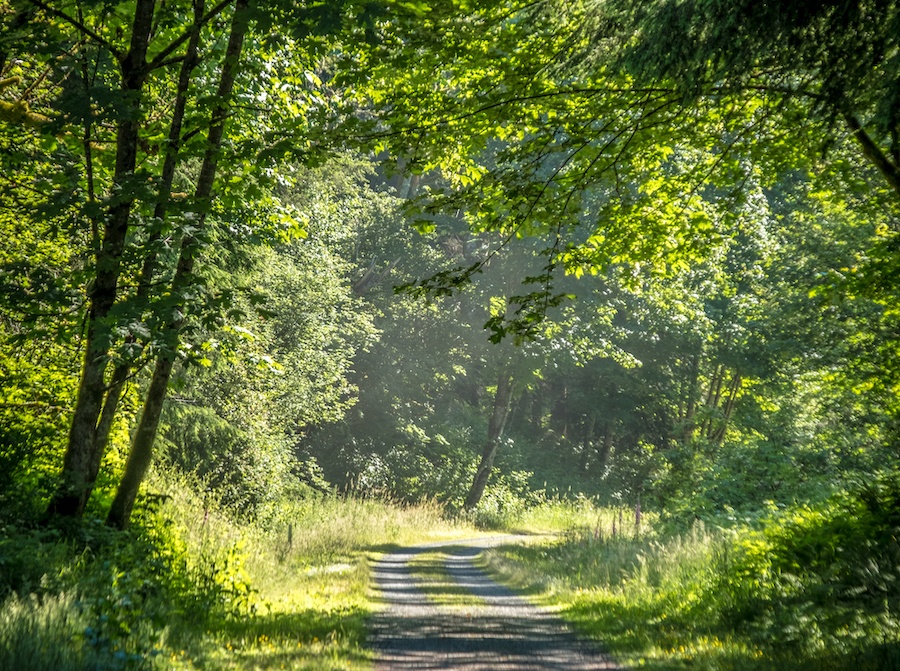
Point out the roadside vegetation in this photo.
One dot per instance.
(803, 588)
(195, 587)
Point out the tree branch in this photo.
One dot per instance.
(80, 26)
(591, 91)
(874, 154)
(171, 61)
(161, 58)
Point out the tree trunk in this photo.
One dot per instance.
(712, 401)
(605, 449)
(123, 369)
(537, 410)
(413, 186)
(874, 154)
(586, 445)
(730, 400)
(692, 400)
(502, 402)
(559, 413)
(104, 426)
(142, 446)
(141, 453)
(72, 496)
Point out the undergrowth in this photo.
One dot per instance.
(807, 588)
(195, 586)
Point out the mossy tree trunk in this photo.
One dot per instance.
(72, 495)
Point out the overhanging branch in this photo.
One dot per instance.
(874, 153)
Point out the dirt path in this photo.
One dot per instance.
(488, 627)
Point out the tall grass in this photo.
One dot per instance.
(67, 632)
(802, 589)
(301, 533)
(639, 590)
(35, 634)
(630, 560)
(196, 585)
(584, 515)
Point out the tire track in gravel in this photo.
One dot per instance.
(499, 630)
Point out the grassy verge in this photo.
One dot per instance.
(801, 590)
(191, 588)
(637, 594)
(309, 569)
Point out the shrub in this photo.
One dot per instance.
(821, 577)
(505, 500)
(242, 470)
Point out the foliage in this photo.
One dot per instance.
(244, 471)
(822, 577)
(505, 501)
(801, 588)
(191, 586)
(97, 598)
(36, 386)
(655, 265)
(442, 473)
(841, 55)
(38, 635)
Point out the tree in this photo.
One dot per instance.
(237, 420)
(145, 434)
(91, 88)
(611, 124)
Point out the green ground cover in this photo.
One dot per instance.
(193, 588)
(801, 589)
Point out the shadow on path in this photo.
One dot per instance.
(499, 630)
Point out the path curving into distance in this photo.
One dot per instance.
(484, 626)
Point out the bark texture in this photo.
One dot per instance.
(502, 403)
(72, 496)
(151, 261)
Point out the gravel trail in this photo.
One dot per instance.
(495, 629)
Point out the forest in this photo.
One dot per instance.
(285, 284)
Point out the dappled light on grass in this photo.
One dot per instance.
(616, 591)
(309, 569)
(316, 621)
(562, 515)
(803, 589)
(646, 633)
(198, 589)
(807, 589)
(303, 639)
